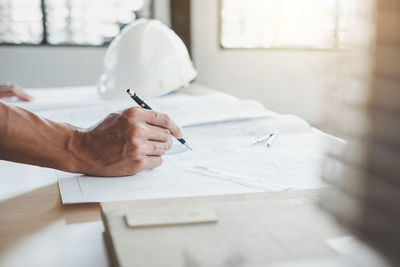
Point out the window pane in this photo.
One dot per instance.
(20, 21)
(352, 17)
(91, 22)
(279, 23)
(81, 22)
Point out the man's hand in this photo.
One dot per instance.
(123, 143)
(9, 90)
(126, 143)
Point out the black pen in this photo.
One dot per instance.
(142, 104)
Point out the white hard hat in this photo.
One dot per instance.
(147, 57)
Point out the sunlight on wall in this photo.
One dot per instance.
(286, 23)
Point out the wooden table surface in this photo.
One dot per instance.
(37, 230)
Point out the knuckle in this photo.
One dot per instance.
(163, 148)
(137, 149)
(163, 118)
(140, 164)
(167, 120)
(132, 112)
(155, 147)
(139, 130)
(158, 116)
(170, 143)
(117, 116)
(166, 132)
(142, 150)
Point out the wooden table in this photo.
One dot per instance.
(37, 230)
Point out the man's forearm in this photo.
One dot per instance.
(124, 143)
(28, 138)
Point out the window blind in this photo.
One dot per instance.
(366, 172)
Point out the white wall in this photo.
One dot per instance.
(285, 81)
(46, 66)
(162, 11)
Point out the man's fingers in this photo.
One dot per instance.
(6, 86)
(157, 148)
(151, 162)
(163, 120)
(14, 90)
(4, 94)
(21, 95)
(158, 134)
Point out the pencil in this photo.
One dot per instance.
(143, 104)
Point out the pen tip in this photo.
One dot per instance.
(128, 91)
(187, 146)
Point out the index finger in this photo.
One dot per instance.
(21, 95)
(163, 120)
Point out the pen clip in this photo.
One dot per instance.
(266, 138)
(272, 138)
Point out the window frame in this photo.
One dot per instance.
(45, 43)
(337, 47)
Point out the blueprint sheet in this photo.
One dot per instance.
(224, 160)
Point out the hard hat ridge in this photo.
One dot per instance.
(148, 56)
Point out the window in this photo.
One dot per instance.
(67, 22)
(308, 24)
(21, 21)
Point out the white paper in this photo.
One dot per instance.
(293, 161)
(56, 98)
(184, 109)
(83, 107)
